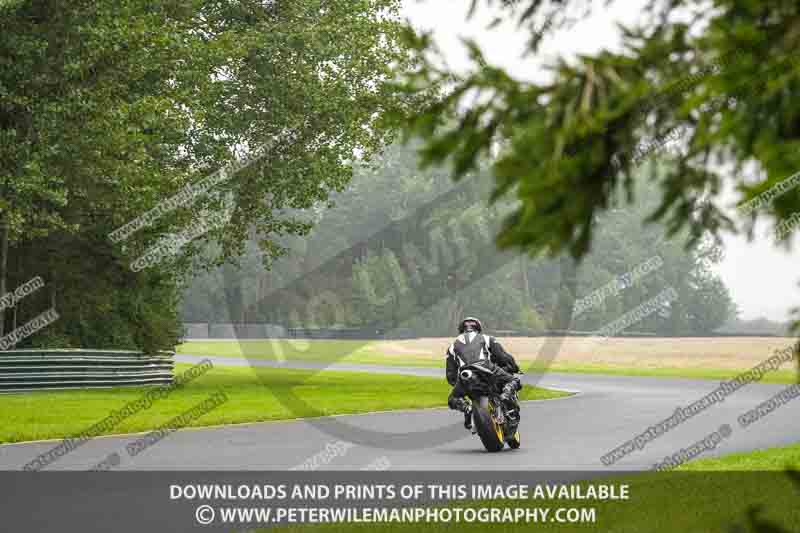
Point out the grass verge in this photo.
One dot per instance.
(253, 397)
(362, 352)
(759, 460)
(740, 492)
(668, 502)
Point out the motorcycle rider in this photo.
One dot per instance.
(470, 347)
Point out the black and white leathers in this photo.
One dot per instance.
(471, 347)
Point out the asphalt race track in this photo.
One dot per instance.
(564, 434)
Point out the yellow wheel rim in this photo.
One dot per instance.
(516, 436)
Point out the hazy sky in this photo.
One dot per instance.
(763, 279)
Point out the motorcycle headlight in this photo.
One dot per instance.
(466, 375)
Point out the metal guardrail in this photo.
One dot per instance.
(23, 370)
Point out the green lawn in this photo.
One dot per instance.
(689, 500)
(254, 395)
(679, 502)
(714, 374)
(363, 352)
(760, 460)
(327, 351)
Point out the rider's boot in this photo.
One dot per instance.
(507, 396)
(468, 416)
(460, 404)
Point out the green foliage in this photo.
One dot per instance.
(729, 76)
(407, 279)
(531, 320)
(380, 290)
(109, 108)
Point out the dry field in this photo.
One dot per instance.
(642, 353)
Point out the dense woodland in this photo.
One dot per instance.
(408, 282)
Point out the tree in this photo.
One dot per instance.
(569, 148)
(107, 109)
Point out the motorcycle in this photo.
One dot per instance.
(495, 423)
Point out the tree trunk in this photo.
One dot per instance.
(242, 307)
(456, 310)
(17, 311)
(3, 268)
(526, 287)
(259, 295)
(569, 280)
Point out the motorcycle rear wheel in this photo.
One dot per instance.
(490, 433)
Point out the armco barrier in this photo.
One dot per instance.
(22, 370)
